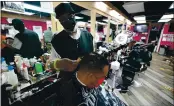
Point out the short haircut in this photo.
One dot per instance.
(93, 62)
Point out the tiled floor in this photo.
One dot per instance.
(155, 86)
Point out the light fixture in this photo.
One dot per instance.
(139, 18)
(141, 21)
(111, 21)
(77, 17)
(81, 23)
(25, 13)
(101, 6)
(113, 13)
(66, 2)
(167, 16)
(88, 25)
(36, 8)
(164, 20)
(101, 23)
(116, 15)
(134, 7)
(172, 6)
(121, 18)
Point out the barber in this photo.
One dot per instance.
(70, 44)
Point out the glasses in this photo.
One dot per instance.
(66, 18)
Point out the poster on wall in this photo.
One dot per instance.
(38, 30)
(168, 37)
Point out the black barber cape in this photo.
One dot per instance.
(72, 93)
(68, 47)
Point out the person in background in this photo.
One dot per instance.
(6, 52)
(3, 37)
(47, 39)
(81, 90)
(143, 40)
(48, 35)
(26, 42)
(69, 44)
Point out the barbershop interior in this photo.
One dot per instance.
(87, 53)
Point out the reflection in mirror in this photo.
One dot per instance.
(101, 30)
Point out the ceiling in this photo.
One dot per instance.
(80, 12)
(153, 10)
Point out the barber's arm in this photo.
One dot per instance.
(57, 63)
(64, 64)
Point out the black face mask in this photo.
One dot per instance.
(69, 24)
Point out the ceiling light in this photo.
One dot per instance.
(101, 23)
(167, 16)
(116, 15)
(25, 13)
(111, 21)
(101, 6)
(113, 13)
(172, 6)
(141, 21)
(66, 2)
(164, 20)
(77, 17)
(120, 17)
(81, 23)
(134, 7)
(139, 18)
(36, 8)
(88, 25)
(106, 20)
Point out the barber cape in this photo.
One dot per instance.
(73, 93)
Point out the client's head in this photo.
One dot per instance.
(93, 68)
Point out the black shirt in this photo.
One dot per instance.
(70, 48)
(31, 45)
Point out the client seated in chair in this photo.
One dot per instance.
(81, 90)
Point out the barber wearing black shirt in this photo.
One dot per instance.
(69, 44)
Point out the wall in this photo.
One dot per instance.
(139, 35)
(28, 23)
(167, 37)
(26, 17)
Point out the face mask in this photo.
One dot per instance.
(69, 24)
(99, 82)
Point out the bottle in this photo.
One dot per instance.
(11, 76)
(3, 79)
(38, 68)
(3, 64)
(25, 72)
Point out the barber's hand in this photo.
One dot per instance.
(69, 65)
(4, 42)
